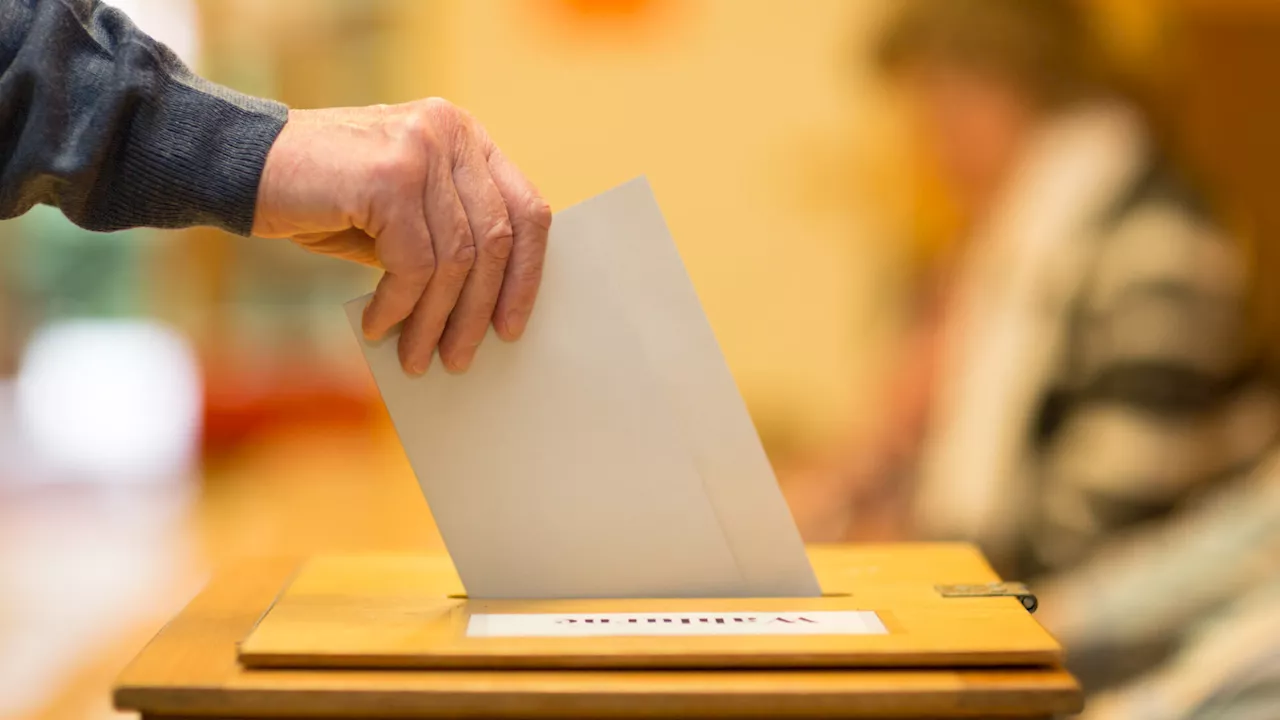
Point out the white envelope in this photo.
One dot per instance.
(608, 452)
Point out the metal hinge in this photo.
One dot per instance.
(1000, 589)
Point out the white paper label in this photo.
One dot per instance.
(856, 622)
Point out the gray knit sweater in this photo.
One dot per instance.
(105, 123)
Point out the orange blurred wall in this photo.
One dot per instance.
(749, 118)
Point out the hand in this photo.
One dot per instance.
(420, 191)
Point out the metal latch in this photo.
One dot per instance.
(1000, 589)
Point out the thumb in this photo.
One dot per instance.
(351, 244)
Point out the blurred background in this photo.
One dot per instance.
(832, 172)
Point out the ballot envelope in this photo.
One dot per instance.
(608, 452)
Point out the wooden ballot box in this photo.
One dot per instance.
(899, 632)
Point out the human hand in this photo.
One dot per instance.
(420, 191)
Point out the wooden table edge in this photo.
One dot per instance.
(169, 680)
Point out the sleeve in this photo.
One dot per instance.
(1164, 398)
(1229, 669)
(105, 123)
(1149, 587)
(1160, 493)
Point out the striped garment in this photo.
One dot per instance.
(1101, 424)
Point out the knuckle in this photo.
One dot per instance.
(417, 131)
(429, 140)
(407, 126)
(452, 125)
(498, 239)
(459, 254)
(538, 213)
(439, 107)
(424, 263)
(412, 264)
(463, 257)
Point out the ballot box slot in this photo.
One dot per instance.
(464, 596)
(878, 610)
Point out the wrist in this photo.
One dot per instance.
(264, 214)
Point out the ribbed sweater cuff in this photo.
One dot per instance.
(193, 156)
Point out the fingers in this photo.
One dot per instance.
(405, 250)
(455, 254)
(492, 233)
(468, 240)
(530, 222)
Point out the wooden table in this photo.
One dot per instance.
(190, 670)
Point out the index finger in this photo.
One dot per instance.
(530, 222)
(404, 250)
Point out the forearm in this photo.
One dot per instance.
(1146, 588)
(98, 119)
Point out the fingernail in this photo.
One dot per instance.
(461, 361)
(515, 323)
(412, 364)
(366, 325)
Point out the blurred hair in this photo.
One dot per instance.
(1048, 49)
(1054, 52)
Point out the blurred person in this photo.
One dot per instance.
(1079, 393)
(105, 123)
